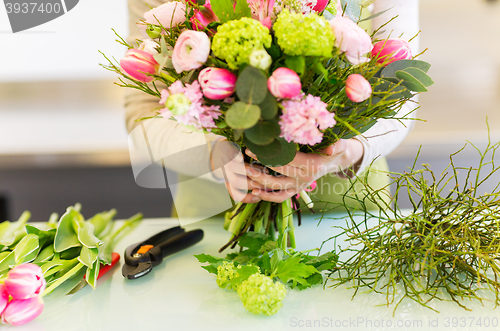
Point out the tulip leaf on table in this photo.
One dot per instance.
(27, 249)
(66, 237)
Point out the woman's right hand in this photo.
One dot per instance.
(228, 164)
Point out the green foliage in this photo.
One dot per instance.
(445, 248)
(263, 132)
(287, 153)
(251, 86)
(66, 250)
(242, 115)
(226, 11)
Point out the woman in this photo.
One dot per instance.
(200, 190)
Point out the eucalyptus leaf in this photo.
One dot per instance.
(88, 256)
(25, 248)
(242, 115)
(269, 150)
(285, 156)
(269, 107)
(352, 9)
(410, 82)
(66, 236)
(390, 69)
(420, 75)
(375, 15)
(251, 86)
(263, 132)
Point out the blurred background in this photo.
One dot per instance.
(62, 132)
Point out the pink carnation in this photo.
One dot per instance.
(303, 119)
(198, 115)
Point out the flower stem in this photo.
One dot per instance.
(64, 278)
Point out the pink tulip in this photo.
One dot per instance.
(203, 17)
(4, 298)
(320, 5)
(190, 51)
(169, 14)
(284, 83)
(388, 51)
(351, 39)
(25, 281)
(357, 88)
(138, 64)
(217, 83)
(20, 312)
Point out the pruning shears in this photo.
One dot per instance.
(142, 257)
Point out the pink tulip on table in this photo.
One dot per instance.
(190, 51)
(388, 51)
(138, 64)
(25, 281)
(4, 298)
(284, 83)
(20, 312)
(357, 88)
(217, 83)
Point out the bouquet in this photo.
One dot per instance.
(274, 77)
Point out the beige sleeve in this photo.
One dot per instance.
(386, 135)
(164, 137)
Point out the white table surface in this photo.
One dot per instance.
(180, 295)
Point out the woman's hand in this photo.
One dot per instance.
(343, 156)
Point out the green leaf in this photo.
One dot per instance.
(223, 9)
(8, 262)
(277, 257)
(421, 76)
(410, 82)
(296, 63)
(253, 240)
(291, 270)
(375, 15)
(25, 248)
(263, 132)
(390, 70)
(71, 253)
(244, 272)
(101, 221)
(88, 256)
(314, 279)
(269, 107)
(86, 236)
(66, 236)
(205, 258)
(251, 86)
(326, 261)
(268, 150)
(242, 115)
(242, 9)
(287, 153)
(352, 9)
(92, 273)
(397, 91)
(264, 264)
(46, 254)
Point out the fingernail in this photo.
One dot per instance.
(255, 192)
(249, 172)
(252, 155)
(256, 199)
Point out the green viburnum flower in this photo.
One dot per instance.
(236, 40)
(308, 35)
(225, 273)
(260, 294)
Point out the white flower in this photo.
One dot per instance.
(260, 59)
(149, 46)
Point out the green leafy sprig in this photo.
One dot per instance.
(446, 248)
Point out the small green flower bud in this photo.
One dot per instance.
(153, 31)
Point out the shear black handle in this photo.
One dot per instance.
(176, 244)
(130, 253)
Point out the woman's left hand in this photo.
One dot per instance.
(304, 169)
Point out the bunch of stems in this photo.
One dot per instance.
(446, 248)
